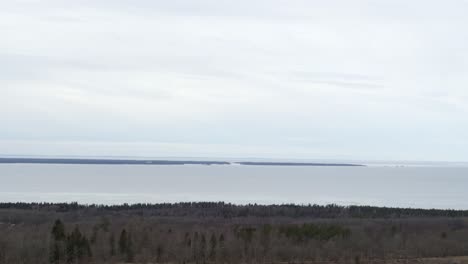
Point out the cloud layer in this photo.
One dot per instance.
(301, 79)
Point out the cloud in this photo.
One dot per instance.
(363, 79)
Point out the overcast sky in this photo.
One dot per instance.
(379, 80)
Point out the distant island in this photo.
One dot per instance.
(299, 164)
(160, 162)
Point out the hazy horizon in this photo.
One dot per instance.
(366, 162)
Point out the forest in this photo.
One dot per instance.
(207, 232)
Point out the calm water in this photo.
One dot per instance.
(426, 187)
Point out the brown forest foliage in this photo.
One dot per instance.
(225, 233)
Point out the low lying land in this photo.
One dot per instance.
(227, 233)
(156, 162)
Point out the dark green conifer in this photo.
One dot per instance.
(123, 241)
(112, 244)
(58, 231)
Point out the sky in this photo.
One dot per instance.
(302, 79)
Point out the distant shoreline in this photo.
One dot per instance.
(69, 161)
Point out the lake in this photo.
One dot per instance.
(422, 187)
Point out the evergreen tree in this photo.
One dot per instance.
(213, 246)
(222, 248)
(187, 240)
(56, 247)
(159, 253)
(77, 246)
(86, 248)
(55, 253)
(112, 244)
(202, 247)
(94, 234)
(195, 246)
(129, 252)
(123, 242)
(70, 249)
(58, 231)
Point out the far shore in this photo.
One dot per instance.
(162, 162)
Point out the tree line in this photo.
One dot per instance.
(228, 210)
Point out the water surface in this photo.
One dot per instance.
(422, 187)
